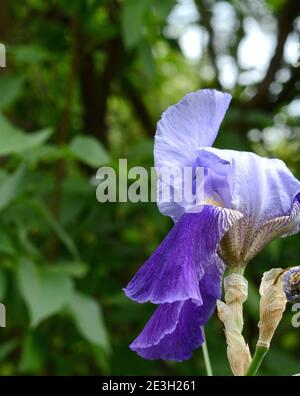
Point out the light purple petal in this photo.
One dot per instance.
(281, 226)
(172, 333)
(184, 127)
(216, 171)
(189, 124)
(174, 270)
(293, 220)
(260, 188)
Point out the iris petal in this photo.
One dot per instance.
(191, 123)
(173, 271)
(260, 188)
(174, 330)
(172, 333)
(281, 226)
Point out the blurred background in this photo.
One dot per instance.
(85, 83)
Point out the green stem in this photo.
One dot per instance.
(260, 353)
(206, 357)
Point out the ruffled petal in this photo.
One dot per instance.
(264, 190)
(174, 330)
(281, 226)
(184, 127)
(191, 123)
(172, 333)
(174, 270)
(260, 188)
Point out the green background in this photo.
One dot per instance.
(85, 83)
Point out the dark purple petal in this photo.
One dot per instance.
(172, 333)
(174, 270)
(174, 330)
(211, 289)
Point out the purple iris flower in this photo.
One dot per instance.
(248, 201)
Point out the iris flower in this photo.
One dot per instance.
(249, 201)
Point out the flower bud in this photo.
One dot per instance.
(291, 284)
(231, 314)
(272, 306)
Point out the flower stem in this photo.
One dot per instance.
(260, 353)
(206, 357)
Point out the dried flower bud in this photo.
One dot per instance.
(272, 305)
(291, 284)
(231, 314)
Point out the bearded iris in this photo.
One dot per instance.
(248, 201)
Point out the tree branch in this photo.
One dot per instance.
(139, 107)
(285, 26)
(96, 86)
(205, 14)
(288, 92)
(5, 21)
(63, 131)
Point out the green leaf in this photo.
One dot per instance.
(275, 5)
(89, 150)
(46, 153)
(7, 348)
(29, 54)
(6, 244)
(141, 151)
(44, 292)
(32, 357)
(10, 90)
(3, 285)
(75, 269)
(10, 187)
(101, 359)
(58, 229)
(14, 140)
(133, 14)
(88, 318)
(146, 58)
(163, 8)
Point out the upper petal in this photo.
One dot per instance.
(173, 271)
(191, 123)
